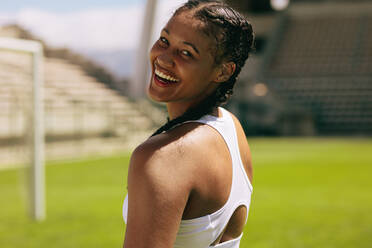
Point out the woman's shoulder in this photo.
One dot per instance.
(176, 154)
(175, 143)
(183, 147)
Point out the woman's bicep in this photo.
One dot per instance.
(155, 202)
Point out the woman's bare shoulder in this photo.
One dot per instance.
(174, 153)
(175, 143)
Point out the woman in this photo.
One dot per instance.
(189, 183)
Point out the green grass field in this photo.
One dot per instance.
(314, 192)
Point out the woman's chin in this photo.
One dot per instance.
(154, 95)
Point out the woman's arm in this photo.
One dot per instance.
(158, 190)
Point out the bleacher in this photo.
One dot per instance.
(321, 61)
(77, 107)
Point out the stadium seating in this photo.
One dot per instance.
(77, 107)
(321, 61)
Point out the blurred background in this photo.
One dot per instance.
(304, 99)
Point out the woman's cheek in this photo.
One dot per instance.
(153, 51)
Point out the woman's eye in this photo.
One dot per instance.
(163, 40)
(186, 53)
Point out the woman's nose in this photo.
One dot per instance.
(165, 60)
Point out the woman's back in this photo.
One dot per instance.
(218, 202)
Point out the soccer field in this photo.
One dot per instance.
(308, 192)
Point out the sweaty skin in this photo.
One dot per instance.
(185, 172)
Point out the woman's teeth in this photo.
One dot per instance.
(164, 76)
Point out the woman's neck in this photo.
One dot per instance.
(176, 110)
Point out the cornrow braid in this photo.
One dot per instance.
(234, 38)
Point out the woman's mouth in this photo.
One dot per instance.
(164, 79)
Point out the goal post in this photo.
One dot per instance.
(37, 180)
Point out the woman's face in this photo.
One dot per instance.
(182, 63)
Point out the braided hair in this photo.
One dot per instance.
(233, 36)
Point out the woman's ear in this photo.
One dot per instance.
(225, 71)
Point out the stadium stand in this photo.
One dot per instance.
(317, 67)
(78, 108)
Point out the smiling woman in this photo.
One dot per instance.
(189, 184)
(183, 53)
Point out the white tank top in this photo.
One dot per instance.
(203, 231)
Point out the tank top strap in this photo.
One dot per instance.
(224, 125)
(241, 186)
